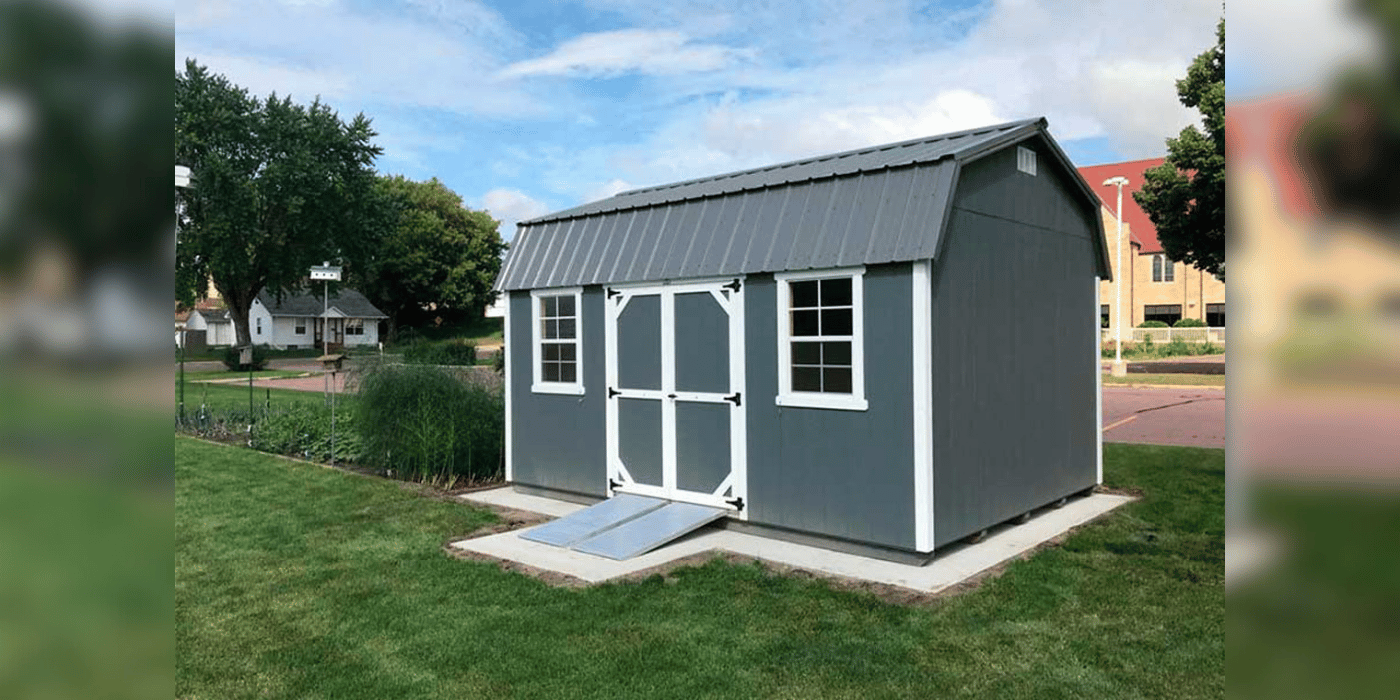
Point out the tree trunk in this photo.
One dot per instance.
(238, 305)
(393, 327)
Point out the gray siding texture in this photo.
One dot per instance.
(844, 474)
(873, 206)
(558, 441)
(1013, 348)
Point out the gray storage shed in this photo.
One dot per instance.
(884, 350)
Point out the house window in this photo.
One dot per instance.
(259, 331)
(1025, 160)
(1215, 315)
(820, 339)
(1103, 315)
(354, 326)
(301, 326)
(558, 341)
(1166, 313)
(1163, 270)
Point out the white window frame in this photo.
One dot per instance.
(299, 326)
(855, 401)
(539, 386)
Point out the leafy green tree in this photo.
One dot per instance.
(278, 187)
(1185, 196)
(1351, 144)
(436, 258)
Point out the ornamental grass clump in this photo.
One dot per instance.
(426, 424)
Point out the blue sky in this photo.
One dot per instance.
(527, 107)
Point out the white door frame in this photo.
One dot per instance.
(618, 479)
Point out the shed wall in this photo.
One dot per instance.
(846, 474)
(558, 441)
(1013, 348)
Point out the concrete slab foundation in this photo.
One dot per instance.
(949, 567)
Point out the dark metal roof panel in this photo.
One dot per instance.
(875, 205)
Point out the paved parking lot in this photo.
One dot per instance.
(1193, 417)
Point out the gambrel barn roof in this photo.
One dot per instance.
(868, 206)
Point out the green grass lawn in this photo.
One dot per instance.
(220, 397)
(1170, 379)
(295, 581)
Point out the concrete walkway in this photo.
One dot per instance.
(951, 567)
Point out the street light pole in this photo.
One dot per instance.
(1119, 369)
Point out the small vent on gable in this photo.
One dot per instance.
(1025, 160)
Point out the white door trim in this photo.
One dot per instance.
(922, 322)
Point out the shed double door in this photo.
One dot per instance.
(675, 409)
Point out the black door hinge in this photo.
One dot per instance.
(613, 392)
(736, 502)
(734, 397)
(733, 285)
(614, 484)
(613, 292)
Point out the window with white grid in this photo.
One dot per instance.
(558, 340)
(820, 339)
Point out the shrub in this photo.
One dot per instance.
(426, 423)
(447, 352)
(1177, 346)
(1153, 324)
(498, 363)
(304, 430)
(1189, 323)
(231, 359)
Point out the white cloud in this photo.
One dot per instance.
(512, 206)
(653, 52)
(1297, 44)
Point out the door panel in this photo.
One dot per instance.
(639, 343)
(702, 441)
(702, 343)
(639, 439)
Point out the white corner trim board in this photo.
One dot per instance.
(923, 406)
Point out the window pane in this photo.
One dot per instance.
(550, 372)
(836, 354)
(1171, 272)
(551, 329)
(550, 352)
(804, 294)
(566, 328)
(804, 322)
(806, 379)
(836, 380)
(806, 353)
(568, 352)
(836, 322)
(568, 372)
(551, 306)
(566, 305)
(836, 292)
(1156, 268)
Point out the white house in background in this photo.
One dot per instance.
(295, 321)
(497, 309)
(216, 324)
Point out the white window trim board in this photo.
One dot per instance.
(855, 401)
(539, 386)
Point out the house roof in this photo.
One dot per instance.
(305, 304)
(1143, 230)
(873, 205)
(1264, 132)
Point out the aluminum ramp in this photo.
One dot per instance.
(579, 526)
(649, 531)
